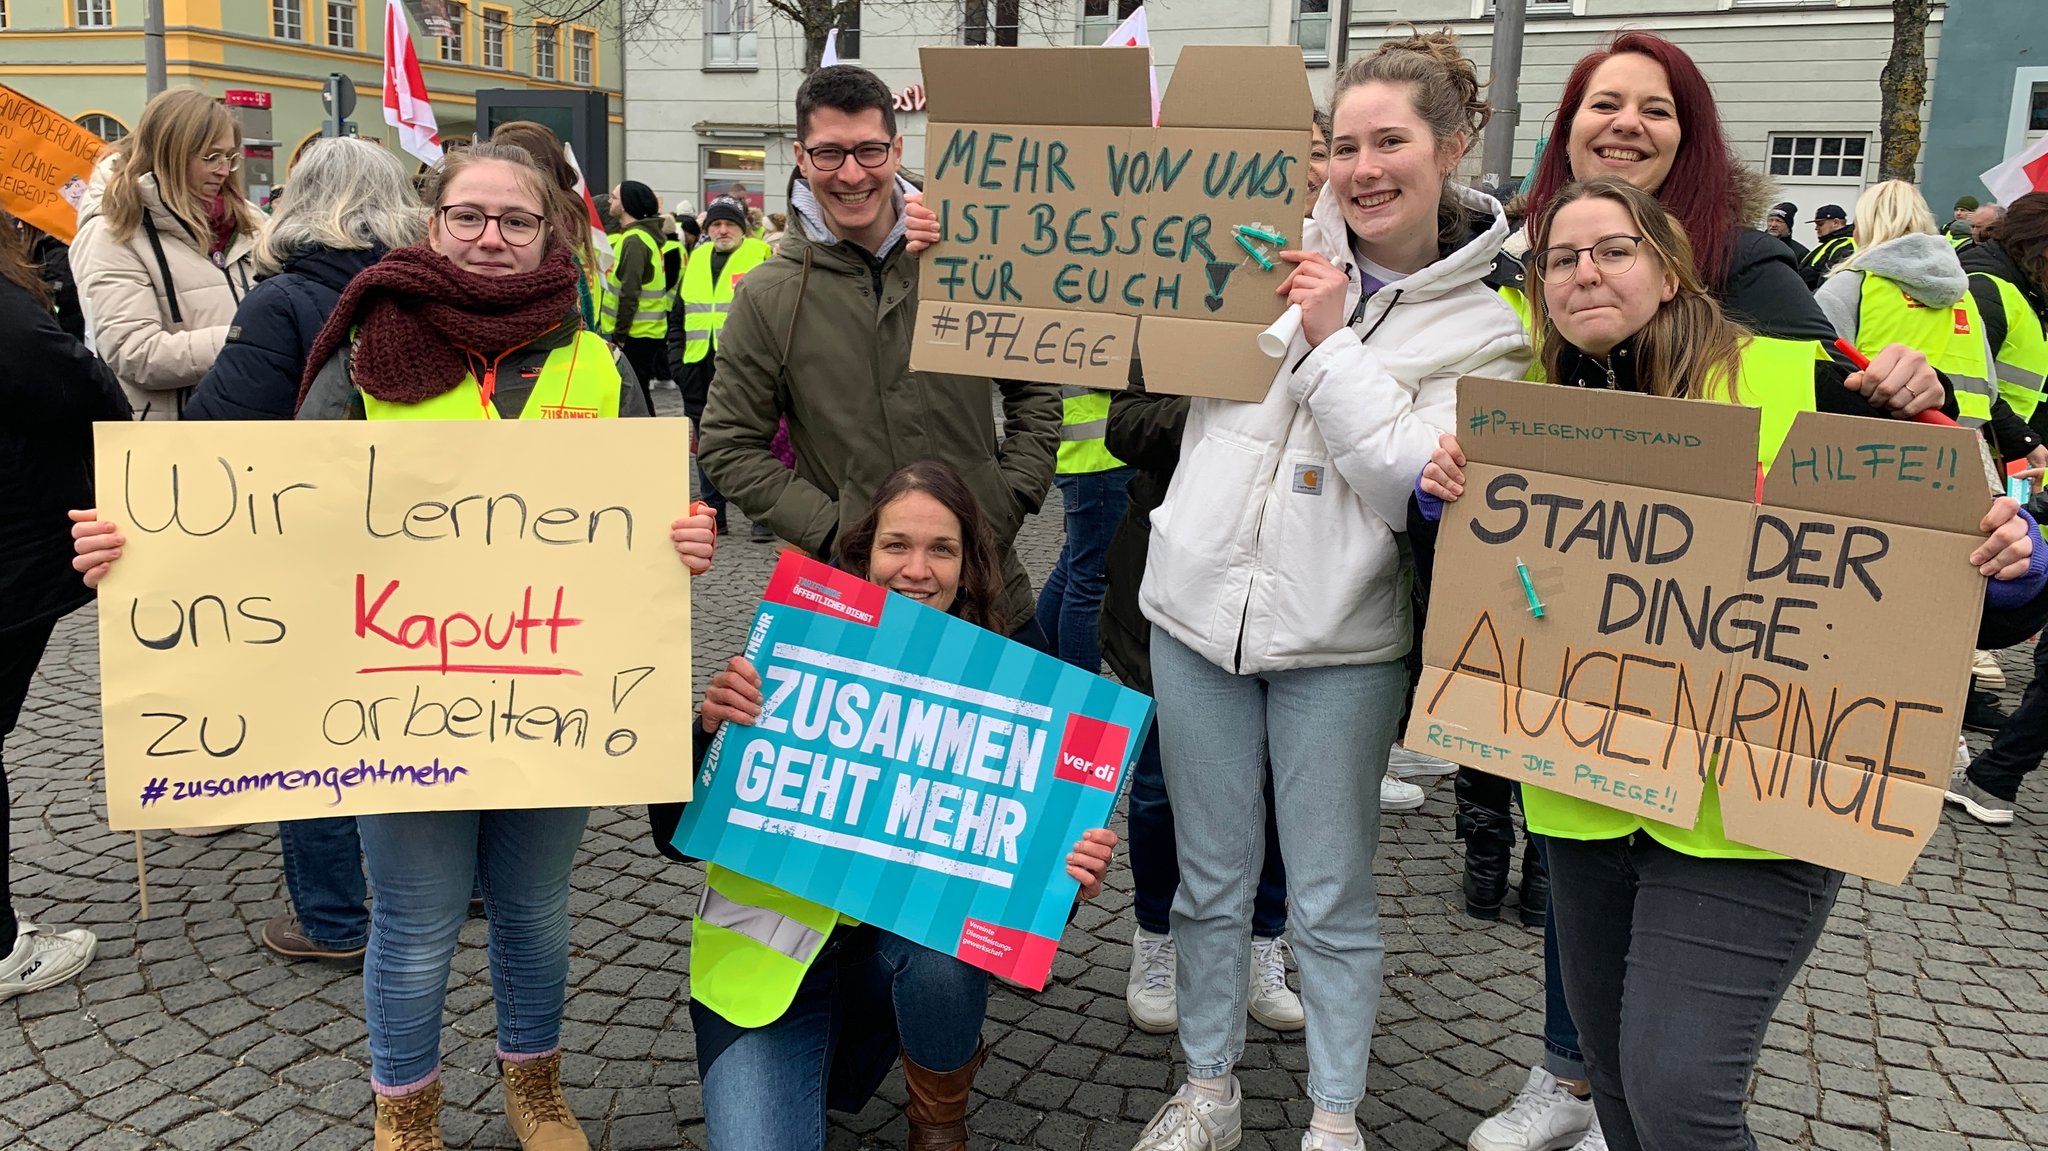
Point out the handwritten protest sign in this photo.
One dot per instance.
(1073, 233)
(45, 164)
(371, 616)
(913, 770)
(1799, 663)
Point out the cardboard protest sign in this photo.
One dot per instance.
(914, 771)
(45, 164)
(1073, 232)
(352, 617)
(1798, 662)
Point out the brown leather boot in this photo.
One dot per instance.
(410, 1122)
(937, 1107)
(535, 1109)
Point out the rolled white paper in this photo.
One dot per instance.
(1274, 340)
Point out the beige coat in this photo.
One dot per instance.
(156, 313)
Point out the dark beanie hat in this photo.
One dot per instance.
(637, 200)
(728, 209)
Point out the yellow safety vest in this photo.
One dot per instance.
(2022, 360)
(750, 945)
(1951, 338)
(1777, 377)
(1831, 251)
(705, 303)
(578, 381)
(649, 320)
(1084, 419)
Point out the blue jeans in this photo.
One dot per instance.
(323, 873)
(1324, 732)
(422, 866)
(868, 994)
(1155, 866)
(1070, 603)
(1561, 1054)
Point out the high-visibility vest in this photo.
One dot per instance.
(1777, 377)
(750, 945)
(649, 320)
(705, 303)
(1084, 419)
(1951, 338)
(2022, 360)
(1832, 250)
(578, 381)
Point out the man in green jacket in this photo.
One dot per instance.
(820, 335)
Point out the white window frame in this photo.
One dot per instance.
(337, 36)
(1484, 9)
(1820, 156)
(731, 42)
(3, 13)
(454, 46)
(2024, 80)
(287, 20)
(582, 56)
(96, 122)
(992, 27)
(549, 36)
(492, 30)
(92, 13)
(849, 37)
(1091, 31)
(1303, 28)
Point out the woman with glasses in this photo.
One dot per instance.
(1677, 943)
(162, 254)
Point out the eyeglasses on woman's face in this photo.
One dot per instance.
(233, 160)
(467, 223)
(1612, 255)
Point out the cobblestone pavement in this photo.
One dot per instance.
(1921, 1023)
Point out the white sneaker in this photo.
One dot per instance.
(1148, 995)
(1191, 1121)
(1544, 1117)
(1985, 670)
(1313, 1140)
(1399, 795)
(1272, 1002)
(1962, 754)
(1595, 1139)
(41, 959)
(1405, 764)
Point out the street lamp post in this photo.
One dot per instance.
(153, 72)
(1503, 89)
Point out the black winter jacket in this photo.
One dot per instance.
(257, 374)
(52, 389)
(1765, 293)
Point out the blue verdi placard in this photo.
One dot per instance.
(913, 771)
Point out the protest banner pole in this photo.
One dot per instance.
(141, 876)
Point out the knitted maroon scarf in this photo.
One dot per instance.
(418, 321)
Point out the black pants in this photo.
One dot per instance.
(2019, 745)
(649, 357)
(20, 651)
(1673, 966)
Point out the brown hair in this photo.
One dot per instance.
(981, 573)
(1688, 342)
(456, 159)
(15, 265)
(1444, 88)
(562, 203)
(2023, 232)
(175, 127)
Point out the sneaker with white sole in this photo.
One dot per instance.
(1313, 1140)
(1983, 806)
(1148, 995)
(1191, 1121)
(1595, 1140)
(1544, 1117)
(43, 959)
(1405, 764)
(1399, 795)
(1985, 670)
(1272, 1002)
(1962, 754)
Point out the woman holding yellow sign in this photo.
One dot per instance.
(1676, 937)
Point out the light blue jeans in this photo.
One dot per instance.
(422, 866)
(1326, 732)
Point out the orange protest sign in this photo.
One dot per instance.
(45, 163)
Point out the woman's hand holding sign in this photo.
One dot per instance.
(97, 544)
(1319, 287)
(1089, 861)
(1900, 381)
(1444, 475)
(733, 697)
(2010, 550)
(695, 537)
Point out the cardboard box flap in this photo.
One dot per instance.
(1694, 446)
(1091, 87)
(1926, 475)
(1237, 86)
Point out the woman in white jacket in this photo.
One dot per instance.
(1277, 586)
(165, 236)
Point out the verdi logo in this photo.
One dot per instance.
(1092, 752)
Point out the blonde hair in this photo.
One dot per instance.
(176, 127)
(1888, 210)
(1689, 342)
(345, 194)
(1444, 88)
(530, 177)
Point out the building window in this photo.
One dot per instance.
(738, 171)
(93, 13)
(1100, 17)
(494, 38)
(582, 56)
(989, 22)
(730, 42)
(1537, 7)
(104, 126)
(849, 31)
(3, 13)
(1819, 159)
(544, 39)
(451, 44)
(1312, 29)
(341, 23)
(2037, 110)
(287, 18)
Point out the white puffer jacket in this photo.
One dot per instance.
(157, 313)
(1275, 547)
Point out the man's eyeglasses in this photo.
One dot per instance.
(232, 159)
(831, 157)
(1613, 255)
(517, 229)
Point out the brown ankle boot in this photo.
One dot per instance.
(535, 1109)
(937, 1108)
(410, 1122)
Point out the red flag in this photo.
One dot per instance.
(406, 106)
(600, 244)
(2024, 173)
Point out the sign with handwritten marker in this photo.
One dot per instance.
(354, 617)
(914, 771)
(46, 162)
(1794, 666)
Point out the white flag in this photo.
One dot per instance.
(1135, 32)
(406, 106)
(2024, 173)
(831, 55)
